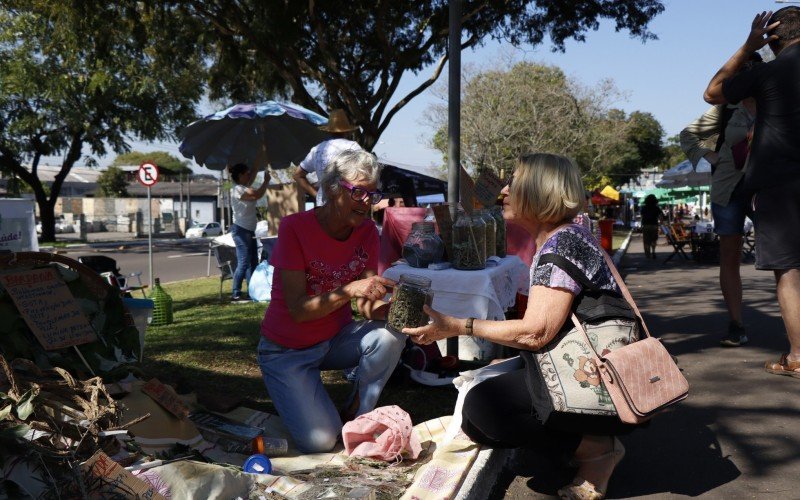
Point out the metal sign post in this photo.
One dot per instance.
(148, 176)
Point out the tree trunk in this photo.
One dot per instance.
(47, 217)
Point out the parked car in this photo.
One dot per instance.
(203, 229)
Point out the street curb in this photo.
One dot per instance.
(483, 474)
(622, 250)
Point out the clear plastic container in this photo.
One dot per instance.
(500, 231)
(469, 242)
(410, 294)
(423, 246)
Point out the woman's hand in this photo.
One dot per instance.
(372, 288)
(441, 327)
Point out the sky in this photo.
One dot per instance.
(665, 77)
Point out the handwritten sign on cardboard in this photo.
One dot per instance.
(116, 481)
(166, 397)
(48, 307)
(466, 188)
(445, 223)
(488, 187)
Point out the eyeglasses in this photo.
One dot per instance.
(361, 194)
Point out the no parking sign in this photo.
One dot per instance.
(148, 174)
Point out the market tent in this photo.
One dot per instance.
(661, 194)
(599, 199)
(684, 174)
(610, 192)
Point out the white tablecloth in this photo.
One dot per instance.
(484, 294)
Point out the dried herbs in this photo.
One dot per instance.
(410, 295)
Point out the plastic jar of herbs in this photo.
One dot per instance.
(491, 229)
(423, 246)
(500, 232)
(469, 242)
(410, 294)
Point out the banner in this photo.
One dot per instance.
(18, 225)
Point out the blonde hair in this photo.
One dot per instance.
(547, 188)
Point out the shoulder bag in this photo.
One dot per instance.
(599, 367)
(642, 378)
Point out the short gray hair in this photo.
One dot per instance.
(349, 165)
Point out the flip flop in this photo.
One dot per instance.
(784, 367)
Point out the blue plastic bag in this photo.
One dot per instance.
(259, 288)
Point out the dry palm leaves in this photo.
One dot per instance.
(54, 421)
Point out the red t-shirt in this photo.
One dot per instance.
(328, 263)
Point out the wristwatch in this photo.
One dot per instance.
(468, 326)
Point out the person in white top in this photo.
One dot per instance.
(243, 203)
(323, 153)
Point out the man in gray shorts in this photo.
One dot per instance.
(773, 171)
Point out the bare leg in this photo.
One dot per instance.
(597, 456)
(730, 279)
(788, 284)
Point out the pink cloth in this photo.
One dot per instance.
(327, 263)
(397, 223)
(519, 242)
(384, 433)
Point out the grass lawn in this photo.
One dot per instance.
(618, 238)
(211, 348)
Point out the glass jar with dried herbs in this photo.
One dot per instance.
(469, 242)
(500, 232)
(423, 246)
(491, 229)
(410, 294)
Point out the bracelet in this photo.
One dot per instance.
(468, 326)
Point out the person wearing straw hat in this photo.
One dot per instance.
(323, 153)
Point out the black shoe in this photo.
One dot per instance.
(736, 336)
(239, 298)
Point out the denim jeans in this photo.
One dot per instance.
(246, 258)
(292, 377)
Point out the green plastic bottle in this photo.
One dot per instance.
(162, 305)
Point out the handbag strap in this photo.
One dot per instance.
(575, 273)
(625, 293)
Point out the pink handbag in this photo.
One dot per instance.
(641, 377)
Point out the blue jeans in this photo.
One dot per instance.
(292, 377)
(246, 256)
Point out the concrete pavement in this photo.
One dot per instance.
(737, 435)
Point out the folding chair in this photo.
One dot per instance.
(107, 268)
(677, 244)
(226, 263)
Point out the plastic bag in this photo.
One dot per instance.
(259, 288)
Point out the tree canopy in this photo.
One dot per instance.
(168, 165)
(535, 107)
(113, 183)
(88, 74)
(353, 55)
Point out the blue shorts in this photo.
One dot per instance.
(729, 219)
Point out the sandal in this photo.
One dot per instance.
(784, 367)
(581, 489)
